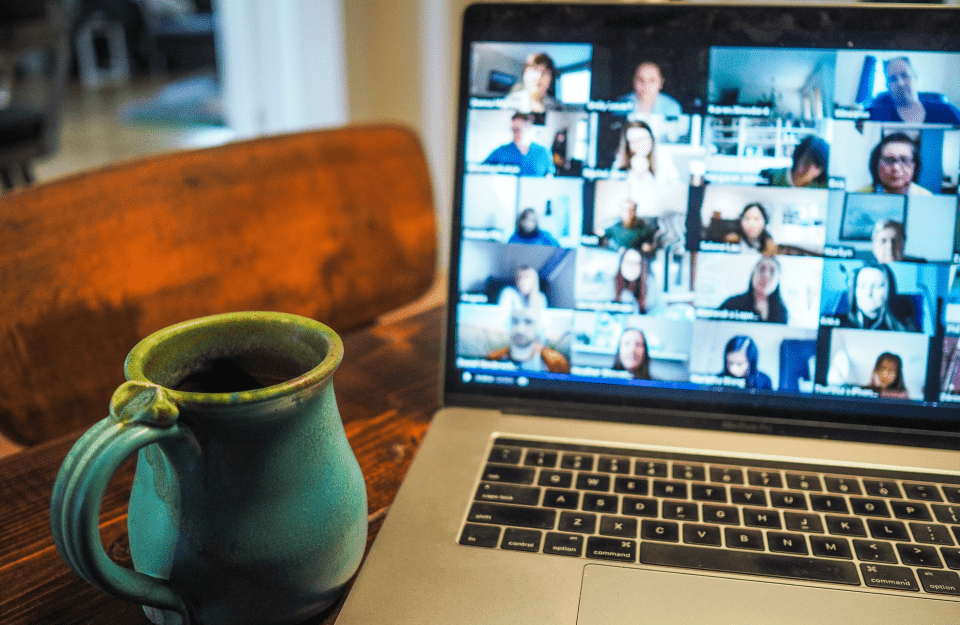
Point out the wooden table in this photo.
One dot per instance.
(387, 389)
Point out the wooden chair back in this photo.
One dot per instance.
(337, 225)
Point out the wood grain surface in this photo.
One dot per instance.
(337, 225)
(387, 389)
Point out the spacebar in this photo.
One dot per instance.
(749, 563)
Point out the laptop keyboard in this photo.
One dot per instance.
(867, 528)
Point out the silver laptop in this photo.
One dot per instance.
(701, 361)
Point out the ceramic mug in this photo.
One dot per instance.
(248, 504)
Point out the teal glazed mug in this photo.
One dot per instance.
(248, 504)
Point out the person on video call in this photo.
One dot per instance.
(809, 169)
(902, 101)
(526, 348)
(637, 155)
(895, 167)
(528, 230)
(630, 281)
(740, 361)
(887, 377)
(752, 230)
(630, 231)
(763, 295)
(647, 97)
(532, 158)
(534, 92)
(524, 292)
(874, 303)
(886, 241)
(632, 354)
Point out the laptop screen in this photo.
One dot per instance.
(739, 210)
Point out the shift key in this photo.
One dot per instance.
(516, 516)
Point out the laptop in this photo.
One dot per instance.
(701, 357)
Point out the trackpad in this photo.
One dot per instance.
(619, 596)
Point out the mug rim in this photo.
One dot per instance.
(135, 366)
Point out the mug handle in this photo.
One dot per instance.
(141, 414)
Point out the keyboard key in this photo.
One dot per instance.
(881, 488)
(761, 518)
(803, 481)
(922, 492)
(931, 534)
(480, 535)
(709, 492)
(947, 514)
(640, 506)
(556, 479)
(888, 530)
(692, 472)
(759, 477)
(619, 526)
(680, 511)
(782, 542)
(829, 503)
(727, 515)
(869, 507)
(595, 502)
(631, 485)
(787, 499)
(593, 481)
(609, 464)
(829, 547)
(577, 462)
(750, 563)
(952, 493)
(875, 551)
(940, 582)
(802, 522)
(842, 485)
(612, 549)
(536, 458)
(701, 534)
(563, 544)
(505, 455)
(892, 577)
(519, 516)
(508, 493)
(650, 468)
(919, 555)
(521, 540)
(743, 539)
(659, 530)
(577, 522)
(845, 526)
(726, 475)
(566, 499)
(951, 557)
(669, 490)
(513, 475)
(748, 496)
(910, 510)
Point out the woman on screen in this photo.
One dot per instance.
(895, 166)
(524, 292)
(763, 296)
(534, 92)
(629, 285)
(752, 230)
(740, 361)
(632, 354)
(887, 377)
(872, 299)
(638, 156)
(529, 232)
(809, 169)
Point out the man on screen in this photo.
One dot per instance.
(532, 158)
(526, 348)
